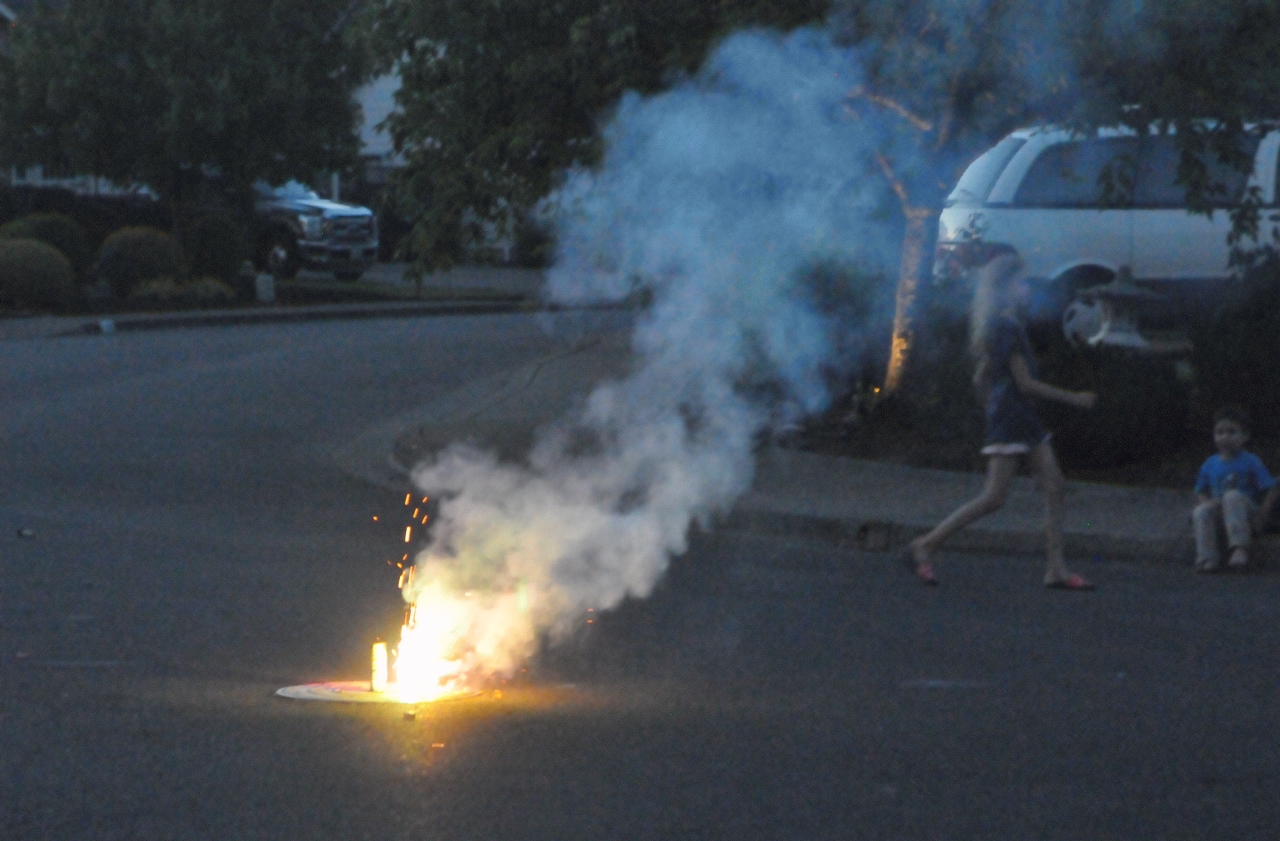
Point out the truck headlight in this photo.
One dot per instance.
(312, 226)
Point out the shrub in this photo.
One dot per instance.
(1141, 412)
(132, 256)
(1142, 405)
(1237, 351)
(166, 293)
(62, 232)
(8, 203)
(35, 274)
(215, 247)
(937, 397)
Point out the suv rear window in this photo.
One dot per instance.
(1158, 174)
(1086, 174)
(981, 175)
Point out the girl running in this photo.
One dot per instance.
(1005, 379)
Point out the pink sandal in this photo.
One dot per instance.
(1071, 582)
(922, 571)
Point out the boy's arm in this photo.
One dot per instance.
(1268, 505)
(1032, 387)
(1204, 488)
(1263, 479)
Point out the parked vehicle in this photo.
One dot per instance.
(296, 228)
(1102, 224)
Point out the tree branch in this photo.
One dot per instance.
(896, 183)
(896, 107)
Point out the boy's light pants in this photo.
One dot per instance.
(1235, 512)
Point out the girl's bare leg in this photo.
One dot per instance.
(1044, 465)
(1000, 473)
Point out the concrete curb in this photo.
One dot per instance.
(48, 327)
(884, 536)
(328, 312)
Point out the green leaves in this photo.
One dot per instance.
(498, 98)
(163, 92)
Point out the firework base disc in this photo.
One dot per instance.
(358, 692)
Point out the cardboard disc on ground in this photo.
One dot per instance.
(358, 692)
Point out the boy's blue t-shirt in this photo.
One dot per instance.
(1245, 473)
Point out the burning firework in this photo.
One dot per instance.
(732, 200)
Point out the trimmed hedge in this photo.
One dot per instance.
(56, 229)
(34, 274)
(133, 256)
(215, 247)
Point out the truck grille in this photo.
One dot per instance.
(351, 228)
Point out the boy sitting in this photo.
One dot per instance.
(1231, 488)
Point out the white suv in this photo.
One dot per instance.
(1042, 190)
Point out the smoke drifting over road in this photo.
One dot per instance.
(717, 198)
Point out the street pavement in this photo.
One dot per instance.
(200, 509)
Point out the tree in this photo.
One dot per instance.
(499, 96)
(1203, 71)
(951, 76)
(945, 78)
(169, 92)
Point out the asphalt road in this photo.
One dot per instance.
(194, 549)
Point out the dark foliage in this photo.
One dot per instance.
(98, 215)
(1141, 413)
(56, 229)
(937, 398)
(162, 92)
(132, 256)
(499, 98)
(1142, 404)
(35, 275)
(215, 247)
(1237, 353)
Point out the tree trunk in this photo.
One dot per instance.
(913, 258)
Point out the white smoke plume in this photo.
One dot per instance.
(716, 198)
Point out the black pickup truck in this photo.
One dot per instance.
(296, 228)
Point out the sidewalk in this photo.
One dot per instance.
(872, 505)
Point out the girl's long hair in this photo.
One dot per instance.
(989, 297)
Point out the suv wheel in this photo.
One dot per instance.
(1082, 320)
(1059, 309)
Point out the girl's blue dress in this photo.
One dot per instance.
(1012, 425)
